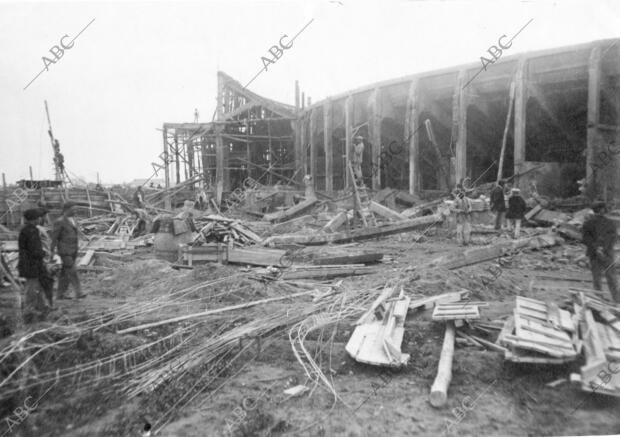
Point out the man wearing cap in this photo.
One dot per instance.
(31, 265)
(516, 211)
(498, 204)
(65, 241)
(599, 236)
(357, 157)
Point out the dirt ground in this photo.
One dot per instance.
(487, 396)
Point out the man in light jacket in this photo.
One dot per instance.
(65, 241)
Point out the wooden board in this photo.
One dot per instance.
(87, 258)
(344, 258)
(462, 311)
(378, 342)
(429, 302)
(296, 210)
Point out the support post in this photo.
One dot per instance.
(593, 180)
(521, 96)
(374, 132)
(205, 162)
(298, 147)
(411, 136)
(328, 144)
(3, 181)
(502, 152)
(348, 129)
(167, 203)
(177, 158)
(312, 147)
(461, 122)
(302, 148)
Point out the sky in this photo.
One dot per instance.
(140, 64)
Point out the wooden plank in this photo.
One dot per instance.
(354, 258)
(287, 214)
(87, 258)
(386, 212)
(337, 221)
(536, 346)
(378, 342)
(430, 301)
(367, 316)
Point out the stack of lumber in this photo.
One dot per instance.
(216, 228)
(327, 271)
(379, 332)
(215, 252)
(458, 312)
(601, 345)
(539, 332)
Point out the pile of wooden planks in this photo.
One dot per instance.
(601, 345)
(221, 229)
(458, 312)
(379, 332)
(539, 332)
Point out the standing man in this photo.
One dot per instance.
(47, 278)
(516, 211)
(31, 265)
(498, 204)
(356, 159)
(138, 198)
(462, 207)
(599, 236)
(65, 239)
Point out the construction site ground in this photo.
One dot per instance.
(487, 396)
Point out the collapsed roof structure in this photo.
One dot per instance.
(564, 122)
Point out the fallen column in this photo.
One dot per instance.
(439, 389)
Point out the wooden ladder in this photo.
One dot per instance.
(363, 200)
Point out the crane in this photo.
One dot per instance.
(59, 159)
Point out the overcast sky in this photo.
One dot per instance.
(140, 64)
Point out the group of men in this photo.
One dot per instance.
(37, 251)
(463, 211)
(599, 234)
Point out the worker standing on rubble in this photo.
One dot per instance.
(498, 204)
(599, 236)
(516, 211)
(462, 208)
(138, 198)
(31, 265)
(357, 156)
(65, 240)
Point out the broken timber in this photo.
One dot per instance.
(292, 212)
(356, 234)
(481, 254)
(379, 334)
(439, 389)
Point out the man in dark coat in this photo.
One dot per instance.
(599, 236)
(138, 198)
(516, 211)
(31, 265)
(498, 204)
(65, 240)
